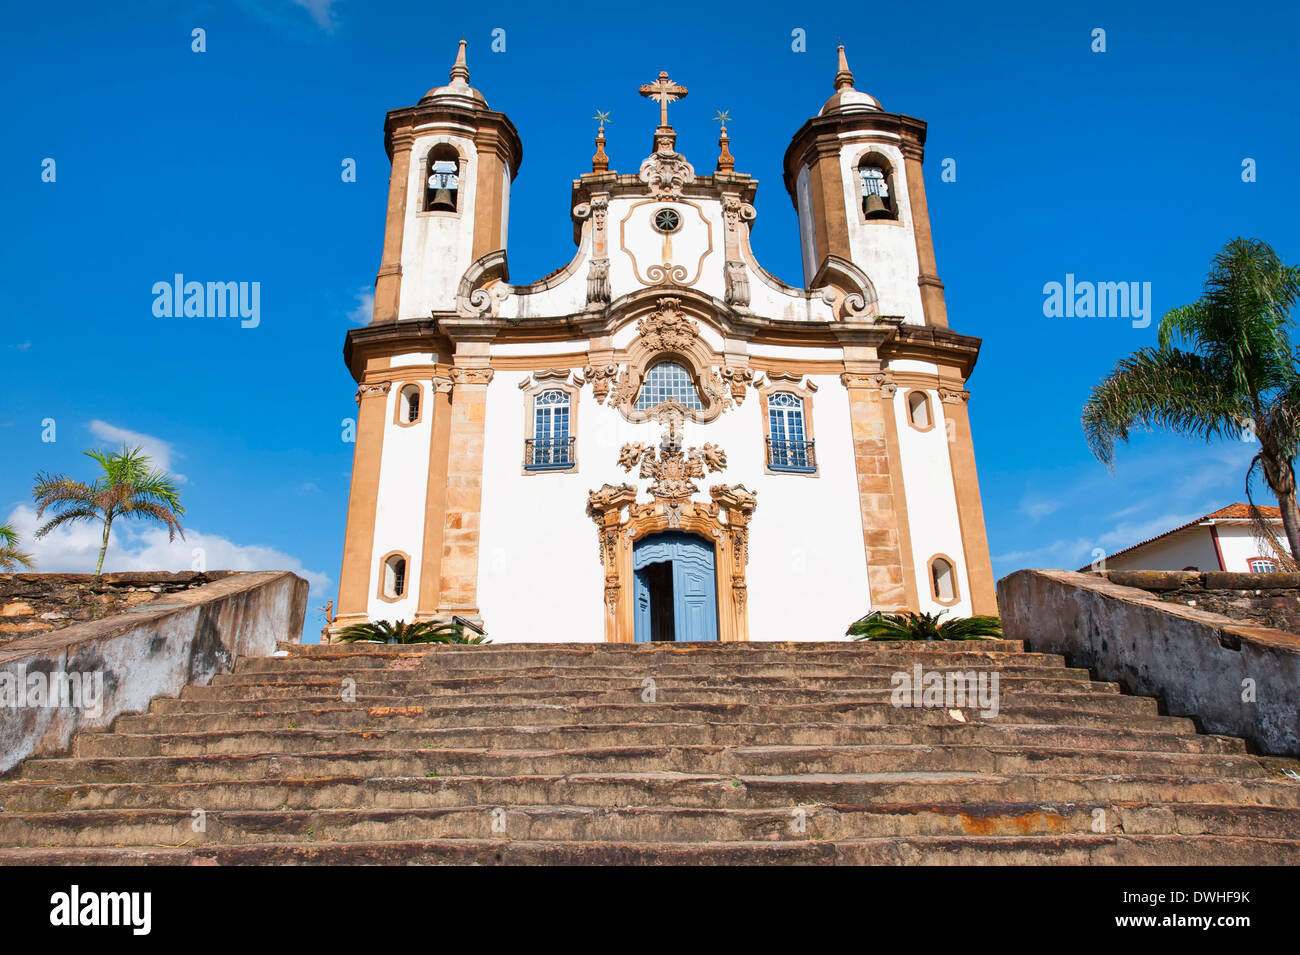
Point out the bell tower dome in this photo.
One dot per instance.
(854, 174)
(453, 160)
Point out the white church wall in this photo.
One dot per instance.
(436, 247)
(807, 565)
(931, 503)
(807, 233)
(538, 559)
(399, 517)
(413, 358)
(634, 246)
(884, 249)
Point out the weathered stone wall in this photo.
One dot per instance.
(1233, 677)
(39, 603)
(154, 649)
(1266, 600)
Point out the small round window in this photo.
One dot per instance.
(667, 220)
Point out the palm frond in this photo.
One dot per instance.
(1167, 388)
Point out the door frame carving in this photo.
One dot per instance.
(724, 522)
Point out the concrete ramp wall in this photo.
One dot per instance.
(1233, 678)
(82, 677)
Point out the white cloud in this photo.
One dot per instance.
(365, 309)
(23, 347)
(321, 11)
(1036, 508)
(160, 452)
(1073, 511)
(73, 549)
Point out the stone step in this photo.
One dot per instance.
(614, 689)
(646, 789)
(717, 760)
(166, 827)
(935, 850)
(582, 736)
(387, 716)
(409, 669)
(709, 700)
(540, 653)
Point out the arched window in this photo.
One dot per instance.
(788, 446)
(877, 194)
(943, 580)
(668, 381)
(1263, 565)
(394, 576)
(551, 446)
(442, 182)
(409, 405)
(918, 410)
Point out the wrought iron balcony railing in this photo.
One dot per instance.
(548, 454)
(784, 454)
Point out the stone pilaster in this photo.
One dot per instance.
(435, 497)
(388, 283)
(970, 509)
(868, 408)
(363, 500)
(460, 548)
(932, 301)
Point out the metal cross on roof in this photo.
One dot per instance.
(665, 91)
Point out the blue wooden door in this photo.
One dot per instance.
(641, 594)
(693, 585)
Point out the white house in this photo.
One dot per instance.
(1222, 540)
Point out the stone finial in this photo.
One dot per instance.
(600, 161)
(844, 77)
(726, 161)
(460, 69)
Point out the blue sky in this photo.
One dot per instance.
(225, 166)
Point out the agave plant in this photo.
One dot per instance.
(924, 626)
(419, 631)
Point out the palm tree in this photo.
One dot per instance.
(421, 631)
(924, 626)
(1224, 367)
(126, 487)
(11, 558)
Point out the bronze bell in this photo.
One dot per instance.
(442, 200)
(875, 207)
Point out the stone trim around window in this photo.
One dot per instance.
(795, 384)
(552, 379)
(669, 334)
(929, 409)
(400, 405)
(380, 591)
(956, 581)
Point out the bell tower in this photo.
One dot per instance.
(854, 174)
(410, 549)
(453, 160)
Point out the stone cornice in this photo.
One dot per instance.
(892, 339)
(492, 130)
(822, 135)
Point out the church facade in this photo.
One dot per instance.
(660, 440)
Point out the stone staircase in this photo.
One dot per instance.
(661, 753)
